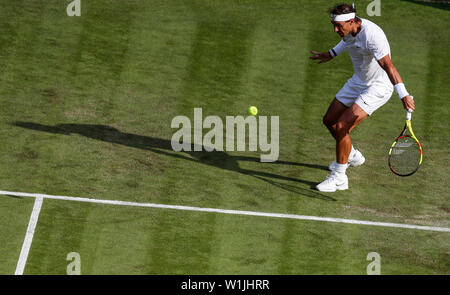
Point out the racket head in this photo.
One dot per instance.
(405, 156)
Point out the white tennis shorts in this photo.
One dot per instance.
(369, 98)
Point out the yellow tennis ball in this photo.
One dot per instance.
(252, 111)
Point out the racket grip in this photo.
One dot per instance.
(409, 112)
(409, 115)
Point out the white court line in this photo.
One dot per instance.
(29, 236)
(225, 211)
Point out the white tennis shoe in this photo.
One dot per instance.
(335, 181)
(355, 161)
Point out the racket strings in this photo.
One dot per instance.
(405, 156)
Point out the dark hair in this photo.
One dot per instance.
(342, 8)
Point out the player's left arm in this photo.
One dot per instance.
(396, 80)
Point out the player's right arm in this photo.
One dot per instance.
(321, 56)
(327, 56)
(396, 80)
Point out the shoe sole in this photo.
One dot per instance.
(341, 187)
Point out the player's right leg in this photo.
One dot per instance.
(330, 119)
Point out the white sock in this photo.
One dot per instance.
(341, 168)
(352, 152)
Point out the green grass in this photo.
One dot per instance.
(86, 106)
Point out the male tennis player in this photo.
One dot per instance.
(369, 88)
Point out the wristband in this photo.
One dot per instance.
(401, 90)
(332, 53)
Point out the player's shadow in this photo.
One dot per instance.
(163, 146)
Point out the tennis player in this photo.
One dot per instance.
(370, 87)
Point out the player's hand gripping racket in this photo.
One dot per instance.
(405, 155)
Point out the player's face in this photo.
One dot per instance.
(342, 28)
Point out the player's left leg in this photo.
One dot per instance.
(346, 123)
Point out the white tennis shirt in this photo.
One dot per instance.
(368, 46)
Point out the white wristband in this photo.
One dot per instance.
(401, 90)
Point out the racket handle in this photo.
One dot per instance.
(409, 112)
(409, 115)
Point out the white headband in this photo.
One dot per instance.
(343, 17)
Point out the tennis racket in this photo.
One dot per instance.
(405, 155)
